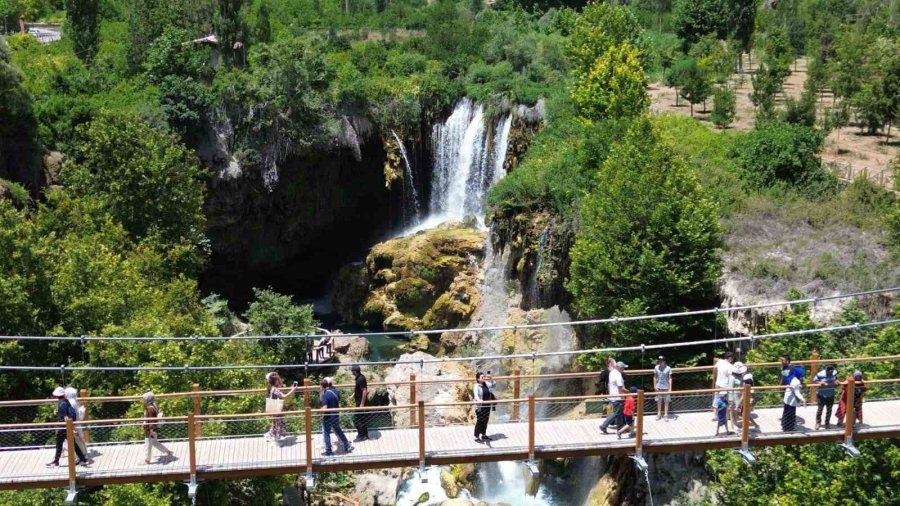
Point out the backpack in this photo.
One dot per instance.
(603, 385)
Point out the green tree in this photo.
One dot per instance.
(723, 107)
(780, 153)
(743, 23)
(696, 86)
(614, 88)
(232, 31)
(262, 28)
(765, 85)
(147, 179)
(83, 26)
(649, 239)
(273, 314)
(802, 111)
(600, 27)
(18, 127)
(777, 53)
(693, 19)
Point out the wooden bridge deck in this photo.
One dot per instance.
(253, 456)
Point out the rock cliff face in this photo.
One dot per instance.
(326, 208)
(425, 280)
(538, 244)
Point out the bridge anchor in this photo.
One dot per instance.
(639, 462)
(850, 448)
(71, 494)
(309, 481)
(192, 488)
(745, 452)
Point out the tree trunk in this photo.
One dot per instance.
(692, 109)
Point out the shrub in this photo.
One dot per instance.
(723, 107)
(779, 153)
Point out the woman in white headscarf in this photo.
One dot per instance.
(80, 411)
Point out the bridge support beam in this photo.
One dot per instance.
(420, 408)
(638, 456)
(849, 419)
(192, 456)
(531, 429)
(72, 492)
(307, 429)
(744, 451)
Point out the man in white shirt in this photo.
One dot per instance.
(724, 368)
(616, 388)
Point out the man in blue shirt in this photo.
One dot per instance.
(64, 410)
(331, 420)
(825, 396)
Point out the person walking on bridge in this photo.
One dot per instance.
(331, 421)
(723, 370)
(64, 411)
(825, 395)
(274, 384)
(151, 428)
(793, 397)
(859, 390)
(80, 412)
(483, 396)
(616, 389)
(360, 395)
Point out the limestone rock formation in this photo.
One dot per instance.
(438, 393)
(350, 348)
(376, 488)
(425, 280)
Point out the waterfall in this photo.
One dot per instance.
(501, 144)
(467, 161)
(410, 195)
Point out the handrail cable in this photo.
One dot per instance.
(530, 355)
(408, 333)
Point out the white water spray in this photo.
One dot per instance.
(410, 195)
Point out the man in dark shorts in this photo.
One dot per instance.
(360, 395)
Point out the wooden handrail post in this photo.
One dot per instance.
(412, 399)
(745, 417)
(639, 424)
(813, 370)
(195, 388)
(421, 408)
(306, 391)
(192, 444)
(849, 416)
(85, 432)
(516, 392)
(307, 418)
(531, 428)
(70, 447)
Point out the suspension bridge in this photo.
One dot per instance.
(222, 442)
(220, 434)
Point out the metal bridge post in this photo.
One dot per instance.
(72, 492)
(639, 433)
(86, 433)
(745, 426)
(412, 399)
(421, 409)
(192, 455)
(195, 389)
(849, 418)
(516, 391)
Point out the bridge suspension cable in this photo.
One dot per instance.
(534, 355)
(495, 328)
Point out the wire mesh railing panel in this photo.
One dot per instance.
(251, 442)
(28, 437)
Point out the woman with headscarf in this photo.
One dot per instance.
(151, 428)
(859, 390)
(273, 391)
(80, 411)
(793, 396)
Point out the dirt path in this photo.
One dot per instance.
(847, 152)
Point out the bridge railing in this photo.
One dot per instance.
(230, 442)
(516, 386)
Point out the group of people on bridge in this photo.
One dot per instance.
(727, 404)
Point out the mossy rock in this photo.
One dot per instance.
(428, 279)
(448, 483)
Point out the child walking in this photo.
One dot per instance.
(628, 413)
(722, 413)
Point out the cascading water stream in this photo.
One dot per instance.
(501, 144)
(410, 195)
